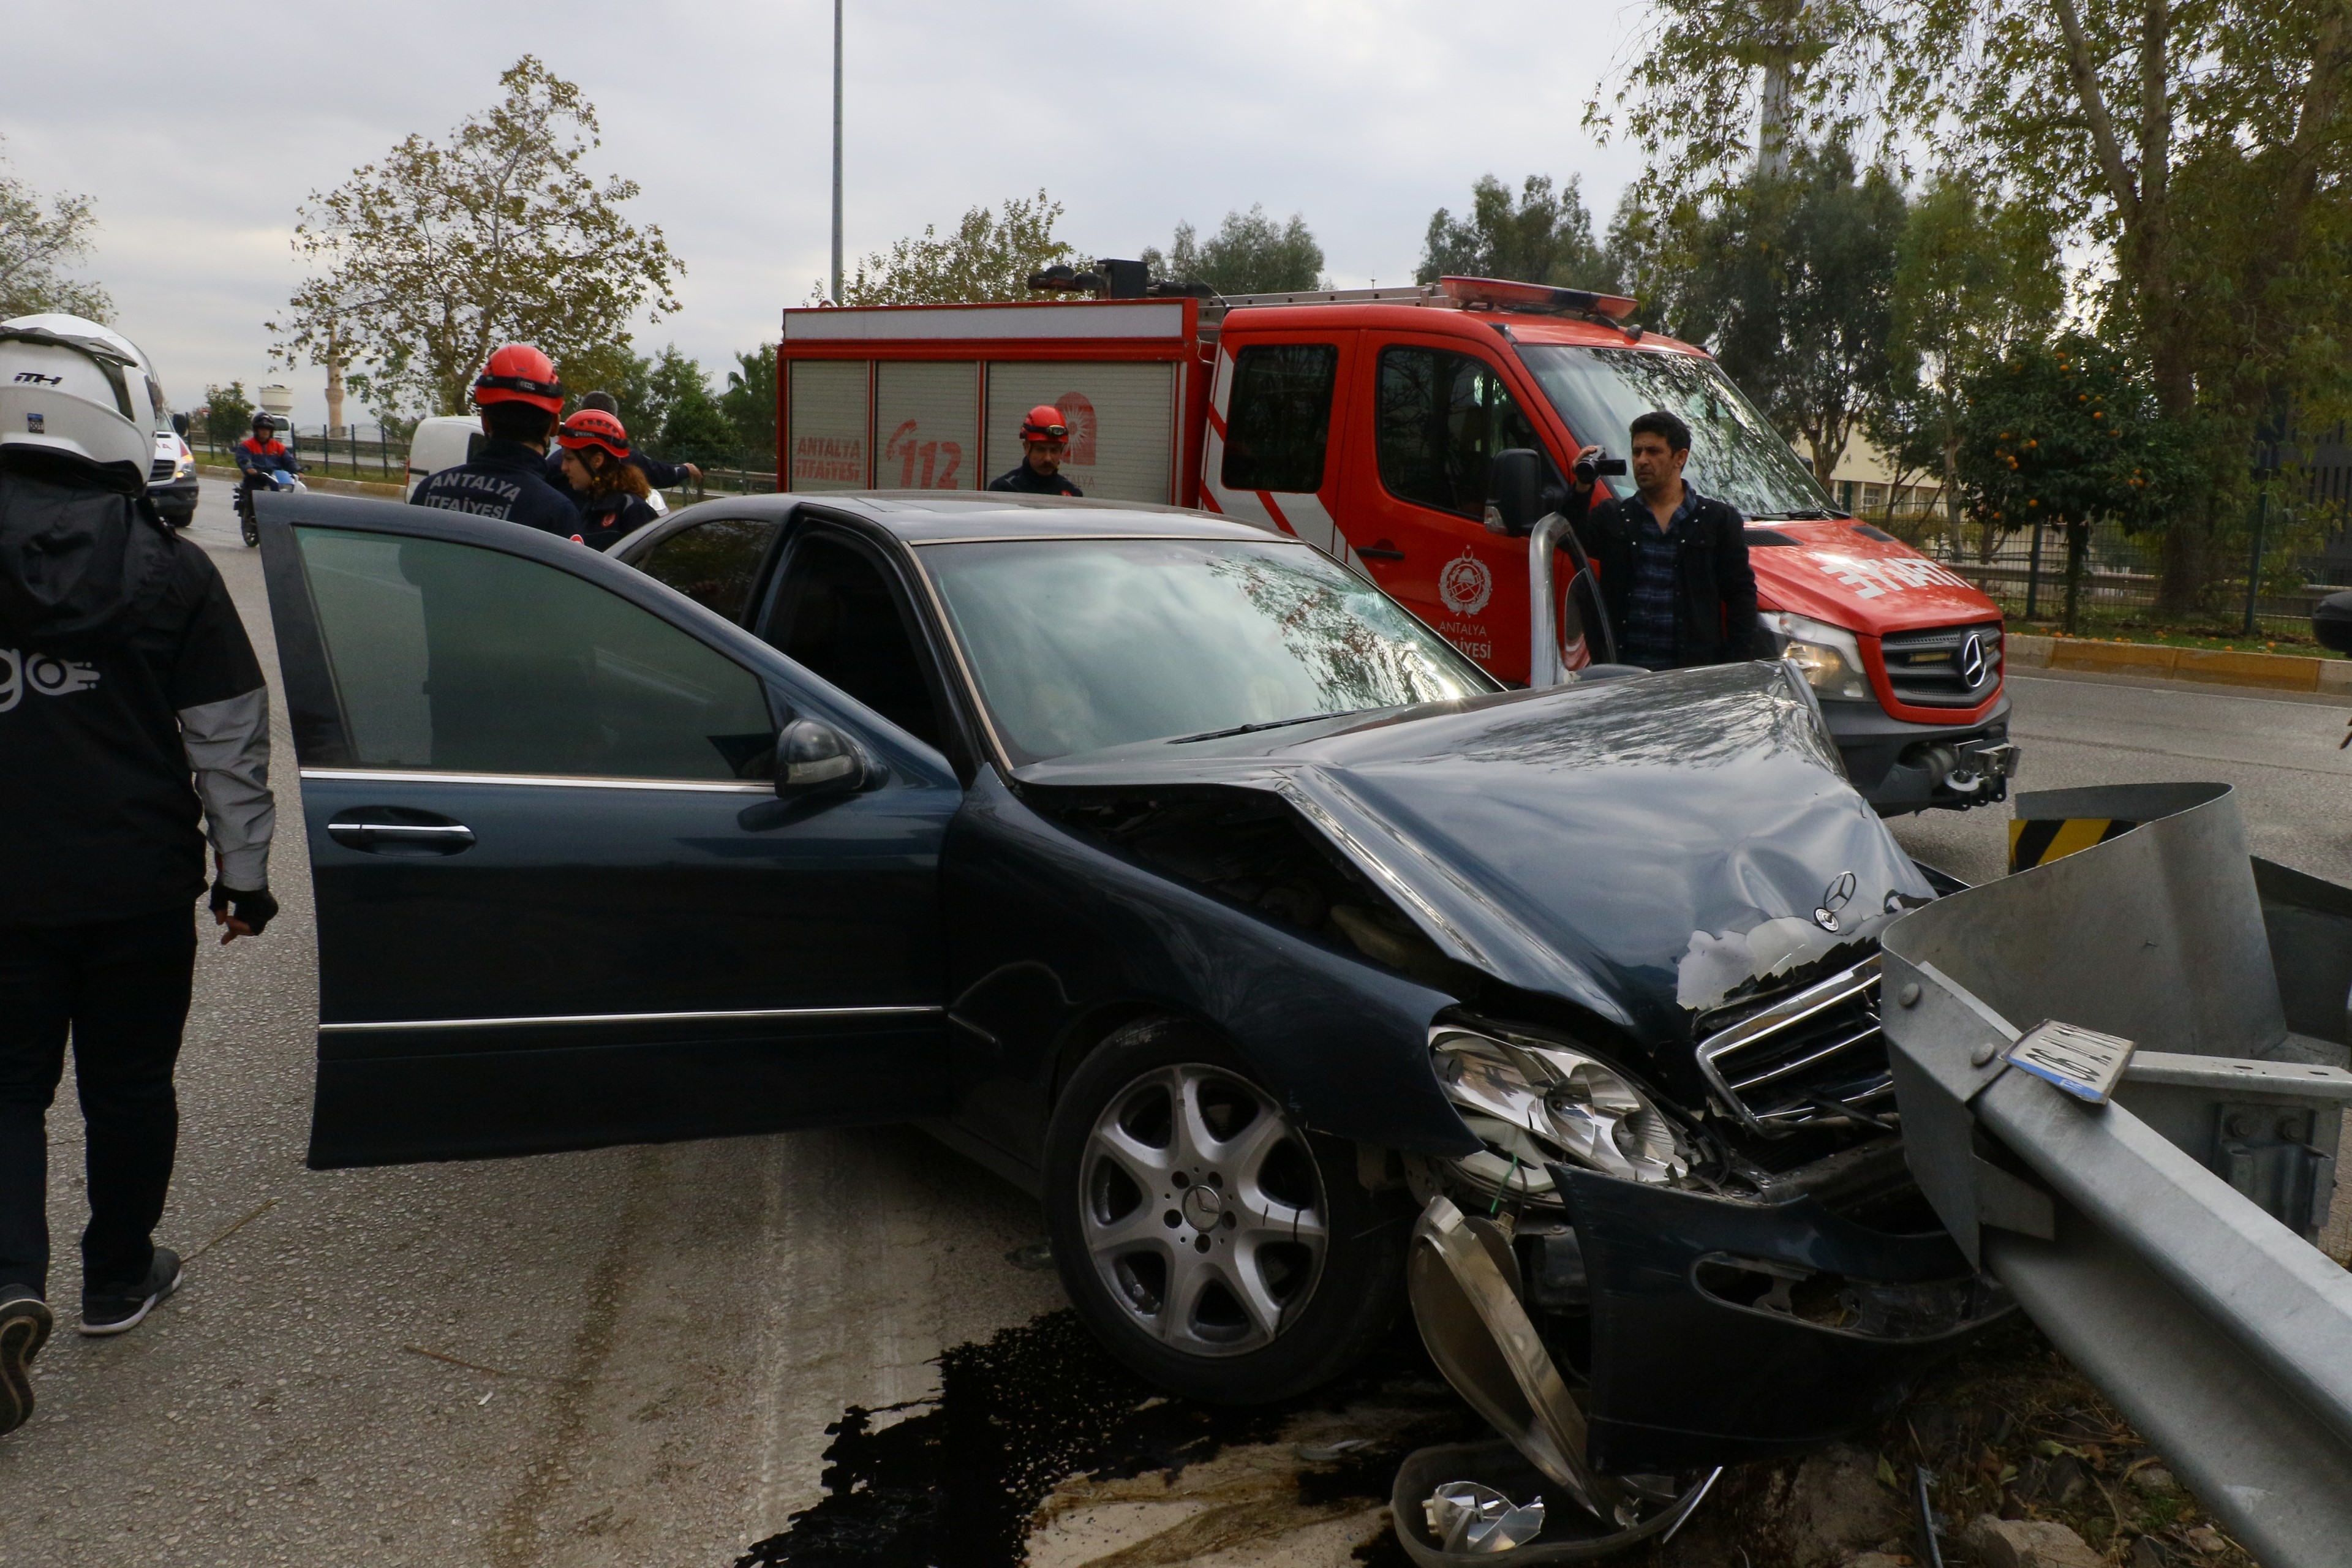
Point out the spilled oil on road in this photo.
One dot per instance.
(1040, 1447)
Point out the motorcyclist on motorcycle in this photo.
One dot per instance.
(261, 454)
(260, 459)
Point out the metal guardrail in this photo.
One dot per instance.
(2156, 1219)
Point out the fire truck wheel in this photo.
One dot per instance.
(1215, 1249)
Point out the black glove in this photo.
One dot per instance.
(256, 909)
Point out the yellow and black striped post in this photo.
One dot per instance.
(2037, 841)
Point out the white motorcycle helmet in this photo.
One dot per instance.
(72, 387)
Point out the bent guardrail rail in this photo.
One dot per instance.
(2153, 1204)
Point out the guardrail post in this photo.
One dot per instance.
(2137, 1245)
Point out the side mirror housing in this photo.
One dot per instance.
(815, 760)
(1514, 501)
(180, 424)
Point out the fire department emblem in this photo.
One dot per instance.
(1465, 584)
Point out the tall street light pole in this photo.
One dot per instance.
(836, 151)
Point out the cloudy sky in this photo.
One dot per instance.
(198, 132)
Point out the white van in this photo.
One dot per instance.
(442, 442)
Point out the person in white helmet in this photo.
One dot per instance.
(131, 707)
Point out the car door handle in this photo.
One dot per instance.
(403, 838)
(1376, 553)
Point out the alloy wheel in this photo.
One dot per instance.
(1202, 1211)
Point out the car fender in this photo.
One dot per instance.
(1048, 934)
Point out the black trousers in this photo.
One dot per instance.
(120, 989)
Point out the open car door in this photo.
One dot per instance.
(559, 903)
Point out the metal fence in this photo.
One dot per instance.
(345, 453)
(342, 453)
(2295, 557)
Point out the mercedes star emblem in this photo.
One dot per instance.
(1972, 661)
(1834, 897)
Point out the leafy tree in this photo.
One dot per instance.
(2203, 151)
(615, 368)
(1545, 236)
(2064, 434)
(1792, 285)
(36, 244)
(434, 256)
(750, 401)
(1249, 253)
(1971, 278)
(990, 256)
(229, 414)
(692, 429)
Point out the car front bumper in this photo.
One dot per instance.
(1727, 1332)
(176, 499)
(1900, 766)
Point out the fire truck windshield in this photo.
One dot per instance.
(1736, 455)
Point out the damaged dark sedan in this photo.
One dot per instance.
(1166, 868)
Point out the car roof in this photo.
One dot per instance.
(931, 517)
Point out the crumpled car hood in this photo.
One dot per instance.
(1642, 847)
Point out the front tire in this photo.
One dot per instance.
(1211, 1245)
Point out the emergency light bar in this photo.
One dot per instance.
(1504, 293)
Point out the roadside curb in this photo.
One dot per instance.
(368, 487)
(2209, 666)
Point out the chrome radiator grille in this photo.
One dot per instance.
(1803, 1056)
(1944, 666)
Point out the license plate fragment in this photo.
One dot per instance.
(2084, 1062)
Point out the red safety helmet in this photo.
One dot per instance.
(518, 372)
(594, 427)
(1045, 424)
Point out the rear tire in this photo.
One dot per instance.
(245, 522)
(1213, 1247)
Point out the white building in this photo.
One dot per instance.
(1863, 482)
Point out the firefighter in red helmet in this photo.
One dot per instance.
(1044, 437)
(519, 397)
(609, 490)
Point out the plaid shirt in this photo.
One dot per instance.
(1652, 637)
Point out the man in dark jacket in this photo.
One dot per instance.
(132, 708)
(1673, 563)
(519, 397)
(1043, 438)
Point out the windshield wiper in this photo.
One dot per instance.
(1814, 515)
(1262, 724)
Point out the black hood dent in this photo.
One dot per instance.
(1640, 849)
(77, 563)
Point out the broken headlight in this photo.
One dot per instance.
(1533, 1106)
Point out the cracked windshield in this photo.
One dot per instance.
(1735, 455)
(1074, 643)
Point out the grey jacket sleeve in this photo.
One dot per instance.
(229, 751)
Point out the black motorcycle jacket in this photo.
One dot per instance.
(131, 707)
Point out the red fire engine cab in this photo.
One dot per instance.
(1366, 422)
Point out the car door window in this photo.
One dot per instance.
(451, 657)
(1278, 424)
(1441, 417)
(715, 563)
(836, 615)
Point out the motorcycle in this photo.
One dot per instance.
(281, 481)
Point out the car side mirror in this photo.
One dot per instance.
(1514, 500)
(180, 424)
(814, 759)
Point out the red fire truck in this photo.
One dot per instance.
(1366, 421)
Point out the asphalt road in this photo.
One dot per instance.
(632, 1356)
